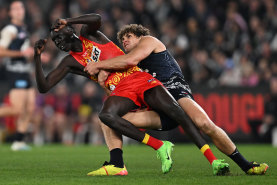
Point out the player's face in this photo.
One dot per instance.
(62, 40)
(129, 41)
(17, 11)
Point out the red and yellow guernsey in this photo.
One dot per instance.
(94, 52)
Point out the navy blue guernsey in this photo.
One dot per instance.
(17, 43)
(161, 65)
(18, 68)
(165, 68)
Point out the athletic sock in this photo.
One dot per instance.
(208, 153)
(19, 136)
(151, 141)
(240, 160)
(116, 157)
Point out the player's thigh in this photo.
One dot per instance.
(144, 119)
(117, 105)
(160, 100)
(195, 112)
(31, 99)
(18, 99)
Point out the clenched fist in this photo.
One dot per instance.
(39, 46)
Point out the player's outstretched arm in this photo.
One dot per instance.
(93, 22)
(44, 84)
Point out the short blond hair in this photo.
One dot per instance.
(137, 29)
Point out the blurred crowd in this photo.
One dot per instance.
(216, 43)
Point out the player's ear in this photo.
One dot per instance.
(52, 34)
(70, 29)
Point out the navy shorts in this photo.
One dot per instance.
(178, 88)
(19, 80)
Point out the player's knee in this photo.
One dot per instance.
(107, 118)
(171, 110)
(30, 109)
(206, 126)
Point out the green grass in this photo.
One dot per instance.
(58, 165)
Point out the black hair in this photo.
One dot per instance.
(137, 29)
(11, 2)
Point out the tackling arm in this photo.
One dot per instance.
(144, 48)
(102, 77)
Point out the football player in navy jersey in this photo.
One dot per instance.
(14, 51)
(151, 55)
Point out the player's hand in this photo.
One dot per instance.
(39, 46)
(102, 77)
(58, 24)
(91, 68)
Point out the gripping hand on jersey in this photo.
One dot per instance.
(39, 46)
(92, 68)
(102, 77)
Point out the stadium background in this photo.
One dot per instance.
(226, 49)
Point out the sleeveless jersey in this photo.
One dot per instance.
(18, 64)
(94, 52)
(18, 68)
(161, 65)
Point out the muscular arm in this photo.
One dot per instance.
(68, 64)
(145, 47)
(45, 83)
(102, 77)
(91, 23)
(10, 53)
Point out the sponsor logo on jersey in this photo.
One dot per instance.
(95, 54)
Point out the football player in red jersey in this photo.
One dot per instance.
(131, 88)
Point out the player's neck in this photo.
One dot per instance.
(77, 46)
(17, 22)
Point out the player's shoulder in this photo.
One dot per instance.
(156, 43)
(149, 38)
(68, 60)
(10, 28)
